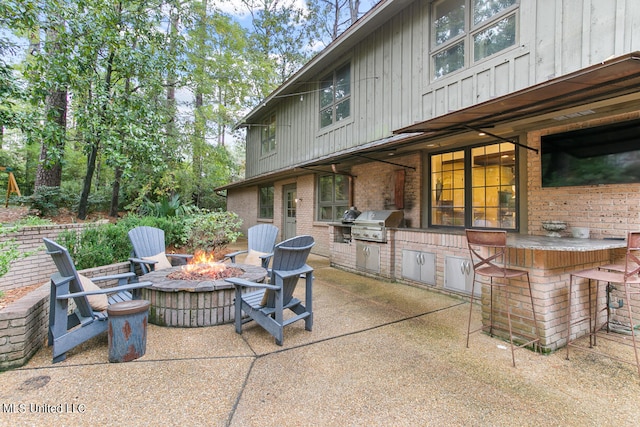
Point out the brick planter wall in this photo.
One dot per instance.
(24, 323)
(38, 267)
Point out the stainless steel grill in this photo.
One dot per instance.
(372, 225)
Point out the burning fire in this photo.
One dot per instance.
(204, 266)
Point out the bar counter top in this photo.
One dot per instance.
(546, 243)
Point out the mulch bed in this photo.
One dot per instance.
(12, 295)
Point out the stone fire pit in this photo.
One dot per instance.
(193, 303)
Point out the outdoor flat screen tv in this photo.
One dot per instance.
(599, 155)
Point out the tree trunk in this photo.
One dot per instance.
(354, 9)
(115, 193)
(93, 154)
(49, 171)
(86, 186)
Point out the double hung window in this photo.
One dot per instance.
(335, 96)
(268, 135)
(265, 202)
(465, 31)
(333, 197)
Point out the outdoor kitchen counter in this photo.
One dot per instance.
(549, 261)
(546, 243)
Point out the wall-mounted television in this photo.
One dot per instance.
(598, 155)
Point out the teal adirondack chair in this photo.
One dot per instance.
(67, 329)
(260, 239)
(148, 246)
(266, 306)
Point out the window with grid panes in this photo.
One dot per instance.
(335, 96)
(268, 135)
(465, 31)
(265, 202)
(333, 197)
(475, 187)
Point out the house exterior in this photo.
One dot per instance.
(497, 114)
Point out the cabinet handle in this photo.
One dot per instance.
(468, 267)
(462, 267)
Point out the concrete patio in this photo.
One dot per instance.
(380, 353)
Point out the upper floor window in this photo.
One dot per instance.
(335, 96)
(333, 197)
(268, 135)
(265, 202)
(475, 187)
(464, 29)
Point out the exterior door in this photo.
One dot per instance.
(289, 209)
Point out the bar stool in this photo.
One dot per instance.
(625, 274)
(488, 255)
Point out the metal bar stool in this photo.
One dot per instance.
(488, 255)
(625, 274)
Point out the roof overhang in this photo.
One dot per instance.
(610, 84)
(377, 16)
(610, 79)
(339, 162)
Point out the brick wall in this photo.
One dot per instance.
(36, 268)
(24, 323)
(608, 210)
(375, 187)
(244, 202)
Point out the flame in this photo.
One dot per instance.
(202, 257)
(205, 264)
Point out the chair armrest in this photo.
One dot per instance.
(237, 282)
(127, 287)
(232, 255)
(142, 261)
(114, 277)
(289, 273)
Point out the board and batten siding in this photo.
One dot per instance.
(391, 85)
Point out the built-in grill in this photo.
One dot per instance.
(372, 225)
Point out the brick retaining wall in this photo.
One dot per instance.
(36, 268)
(24, 323)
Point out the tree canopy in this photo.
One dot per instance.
(117, 102)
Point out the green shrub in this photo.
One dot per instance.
(45, 201)
(96, 245)
(103, 244)
(213, 231)
(166, 207)
(176, 229)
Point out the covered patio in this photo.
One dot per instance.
(380, 353)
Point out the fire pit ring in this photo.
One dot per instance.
(193, 303)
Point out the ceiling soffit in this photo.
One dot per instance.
(610, 79)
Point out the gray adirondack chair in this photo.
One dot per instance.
(68, 329)
(266, 306)
(261, 238)
(147, 242)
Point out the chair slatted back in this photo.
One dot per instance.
(147, 241)
(67, 269)
(262, 237)
(289, 255)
